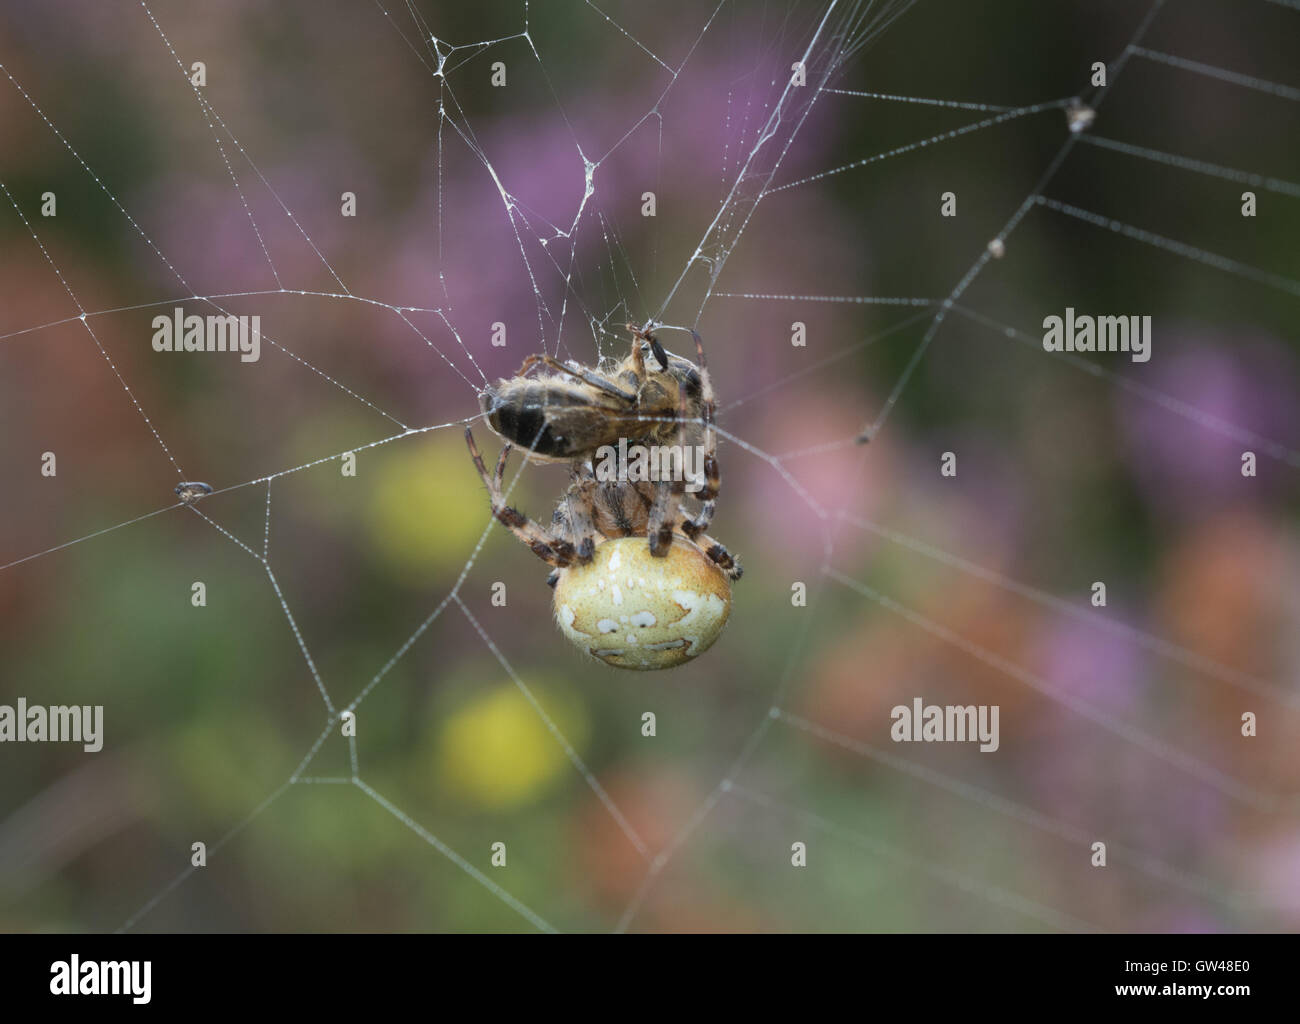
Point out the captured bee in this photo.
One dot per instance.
(571, 412)
(191, 491)
(638, 582)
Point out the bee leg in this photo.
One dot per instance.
(555, 551)
(638, 357)
(586, 376)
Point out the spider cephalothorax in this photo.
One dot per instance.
(572, 413)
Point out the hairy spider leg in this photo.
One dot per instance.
(553, 550)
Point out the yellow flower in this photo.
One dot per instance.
(425, 507)
(497, 751)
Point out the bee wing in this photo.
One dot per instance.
(578, 430)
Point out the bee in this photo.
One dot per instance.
(192, 490)
(649, 396)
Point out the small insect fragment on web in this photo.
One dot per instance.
(997, 248)
(191, 491)
(1079, 116)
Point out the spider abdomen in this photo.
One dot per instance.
(632, 610)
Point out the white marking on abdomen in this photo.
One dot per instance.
(667, 645)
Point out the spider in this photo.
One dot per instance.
(570, 414)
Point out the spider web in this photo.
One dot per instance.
(523, 205)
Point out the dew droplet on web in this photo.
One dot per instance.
(1079, 116)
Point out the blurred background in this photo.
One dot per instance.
(1119, 724)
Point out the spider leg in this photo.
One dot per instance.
(694, 526)
(721, 557)
(667, 507)
(498, 475)
(553, 550)
(572, 516)
(664, 513)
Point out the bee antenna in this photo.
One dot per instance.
(659, 353)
